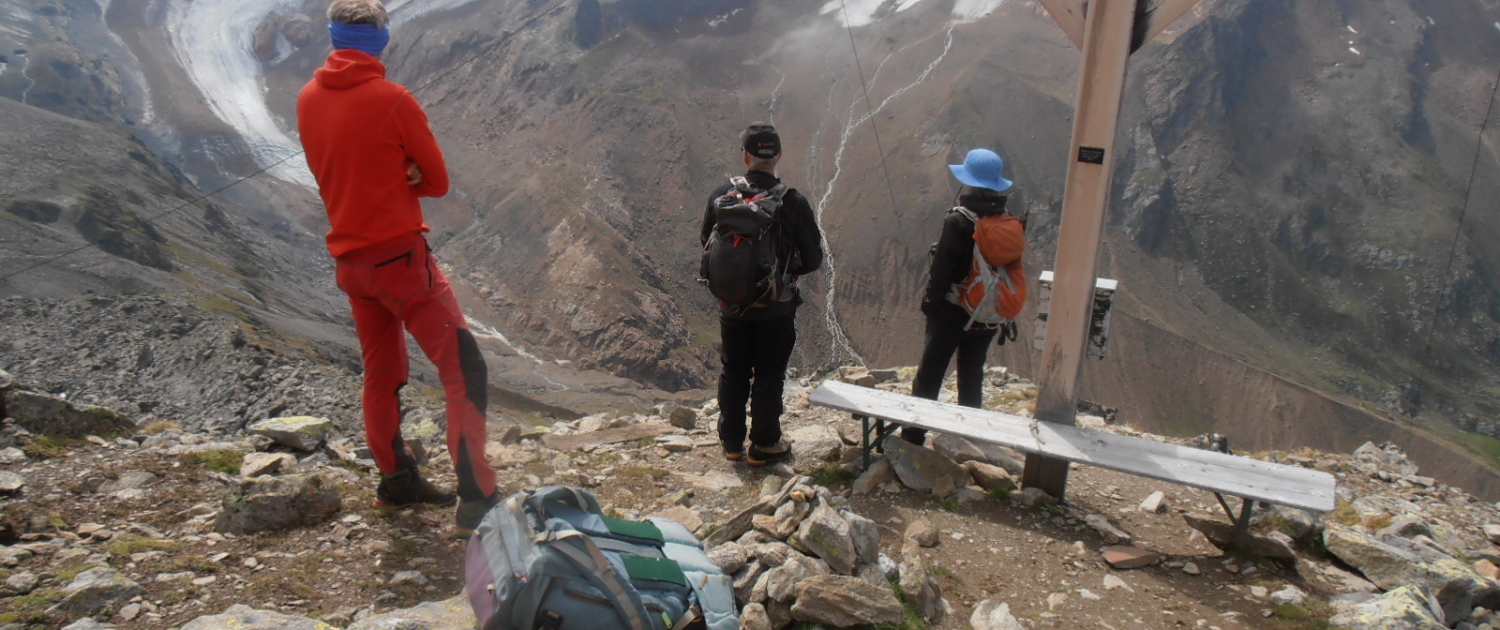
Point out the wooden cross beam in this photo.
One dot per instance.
(1106, 32)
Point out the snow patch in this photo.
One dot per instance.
(715, 22)
(852, 13)
(1355, 50)
(212, 41)
(970, 10)
(1351, 29)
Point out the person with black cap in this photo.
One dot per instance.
(757, 338)
(951, 329)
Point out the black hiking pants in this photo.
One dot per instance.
(945, 337)
(755, 355)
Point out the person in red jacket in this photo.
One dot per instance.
(369, 146)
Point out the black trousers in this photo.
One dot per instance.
(945, 337)
(755, 355)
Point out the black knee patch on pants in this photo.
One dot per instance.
(476, 373)
(468, 486)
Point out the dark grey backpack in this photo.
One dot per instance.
(742, 263)
(550, 560)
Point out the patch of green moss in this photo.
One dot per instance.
(226, 460)
(127, 544)
(832, 475)
(49, 446)
(1291, 611)
(1344, 513)
(911, 618)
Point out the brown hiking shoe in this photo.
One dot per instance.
(762, 455)
(407, 487)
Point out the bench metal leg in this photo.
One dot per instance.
(872, 436)
(1241, 521)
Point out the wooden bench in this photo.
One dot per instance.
(1249, 479)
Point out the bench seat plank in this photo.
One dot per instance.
(1292, 486)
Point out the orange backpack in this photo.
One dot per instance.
(995, 290)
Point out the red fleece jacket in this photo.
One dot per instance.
(360, 131)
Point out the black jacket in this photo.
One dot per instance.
(801, 242)
(953, 258)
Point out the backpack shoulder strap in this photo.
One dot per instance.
(587, 555)
(967, 214)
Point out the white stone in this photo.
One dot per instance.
(1155, 503)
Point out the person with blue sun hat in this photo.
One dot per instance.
(980, 247)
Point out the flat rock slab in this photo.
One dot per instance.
(257, 464)
(675, 443)
(303, 433)
(715, 481)
(50, 415)
(450, 614)
(1126, 557)
(842, 601)
(11, 483)
(687, 517)
(242, 617)
(607, 436)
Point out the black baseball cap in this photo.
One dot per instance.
(760, 140)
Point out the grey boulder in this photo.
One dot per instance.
(94, 590)
(50, 415)
(269, 503)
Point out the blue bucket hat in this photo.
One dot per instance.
(981, 169)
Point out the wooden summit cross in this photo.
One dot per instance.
(1107, 32)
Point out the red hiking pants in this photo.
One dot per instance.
(395, 287)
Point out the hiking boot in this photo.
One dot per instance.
(762, 455)
(407, 487)
(733, 453)
(470, 513)
(914, 435)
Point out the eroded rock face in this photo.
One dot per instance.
(1455, 587)
(268, 503)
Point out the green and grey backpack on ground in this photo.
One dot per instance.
(551, 560)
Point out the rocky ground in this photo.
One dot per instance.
(154, 526)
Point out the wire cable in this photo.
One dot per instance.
(151, 220)
(1458, 229)
(859, 68)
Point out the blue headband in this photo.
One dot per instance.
(366, 38)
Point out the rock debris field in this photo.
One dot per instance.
(106, 523)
